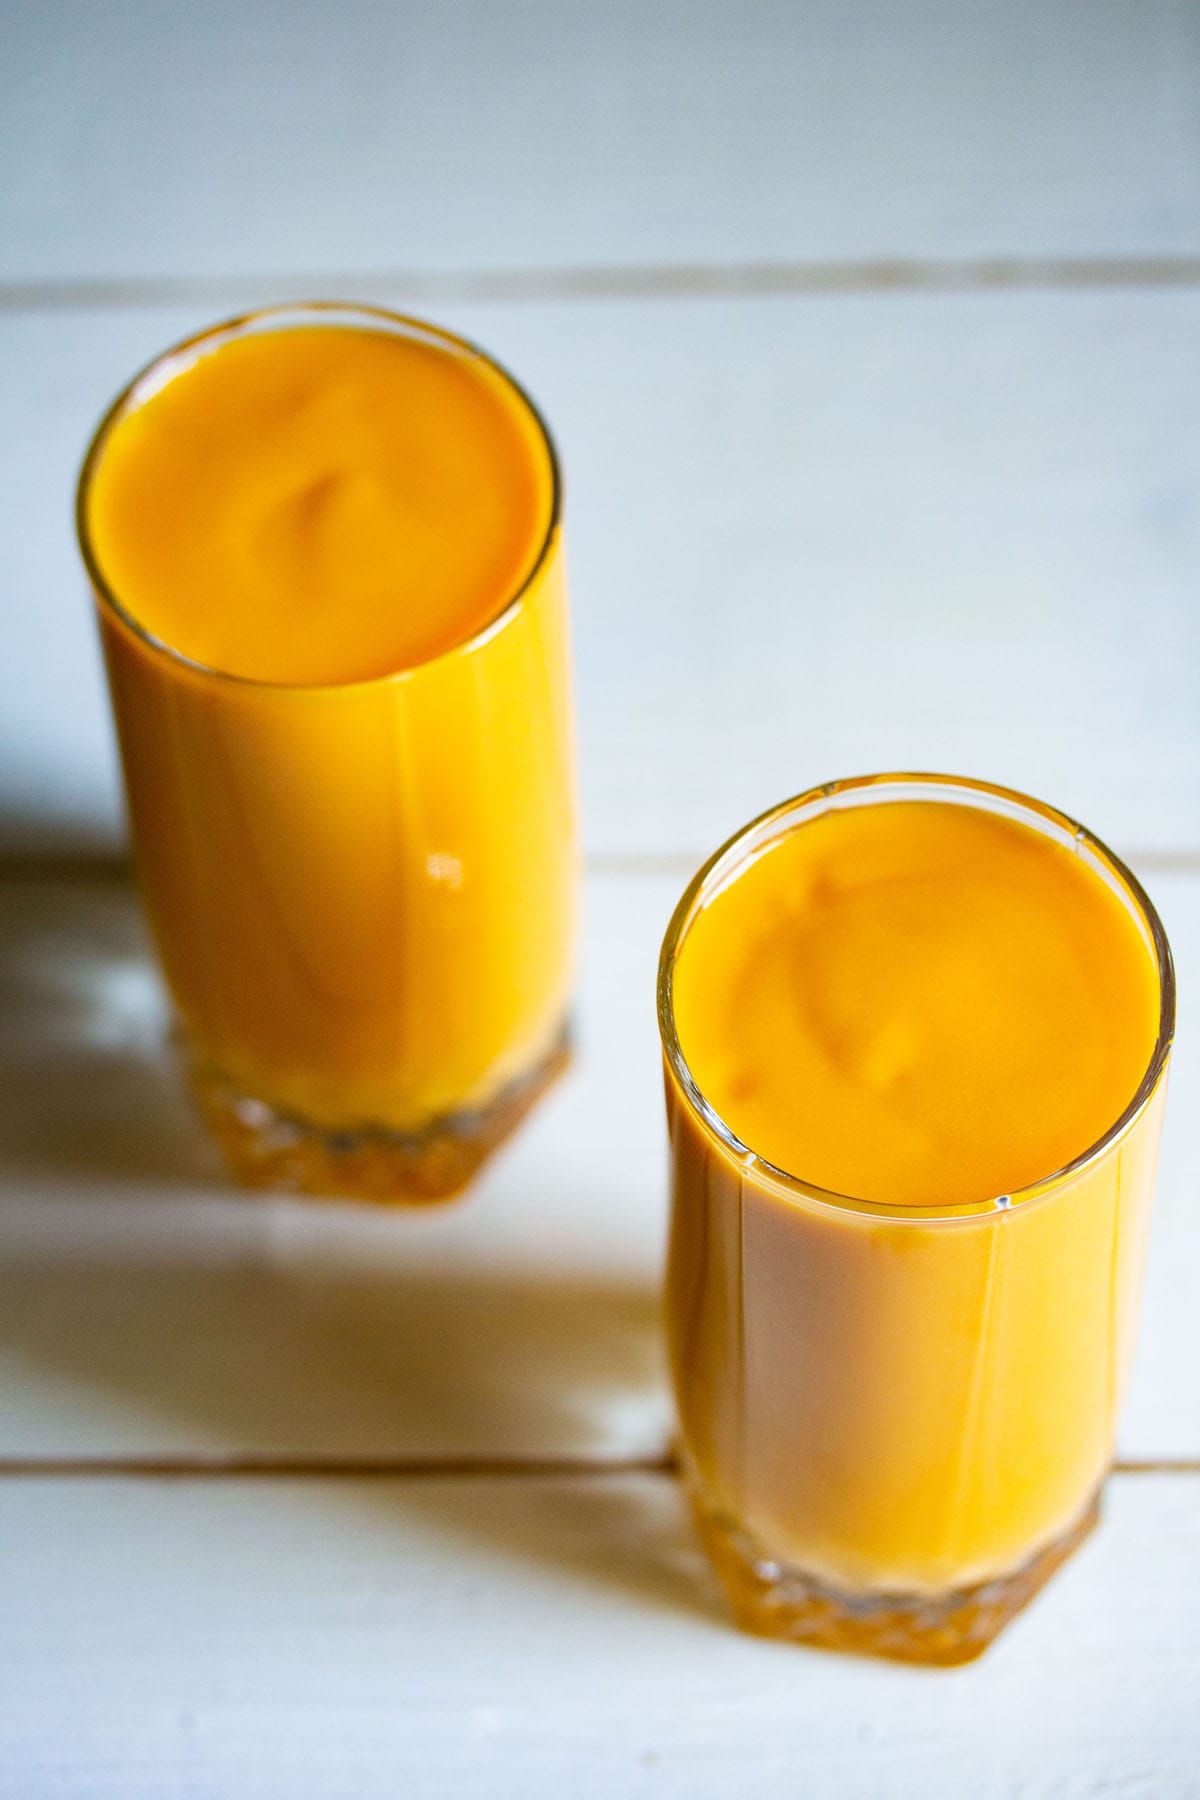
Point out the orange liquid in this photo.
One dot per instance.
(913, 1004)
(317, 506)
(359, 856)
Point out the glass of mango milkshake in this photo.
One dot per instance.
(916, 1033)
(326, 549)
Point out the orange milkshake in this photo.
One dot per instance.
(327, 554)
(916, 1035)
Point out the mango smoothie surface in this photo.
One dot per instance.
(322, 505)
(917, 1004)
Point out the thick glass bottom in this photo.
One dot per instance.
(943, 1629)
(269, 1149)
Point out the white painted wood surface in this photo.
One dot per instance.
(291, 137)
(505, 1637)
(149, 1309)
(808, 537)
(870, 337)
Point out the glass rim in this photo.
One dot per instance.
(735, 854)
(281, 317)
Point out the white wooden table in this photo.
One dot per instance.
(871, 336)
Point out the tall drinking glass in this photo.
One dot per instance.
(361, 878)
(896, 1418)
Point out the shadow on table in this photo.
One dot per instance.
(88, 1088)
(140, 1317)
(304, 1354)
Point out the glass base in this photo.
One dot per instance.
(268, 1149)
(943, 1629)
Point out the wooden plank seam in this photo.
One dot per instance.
(406, 1468)
(630, 281)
